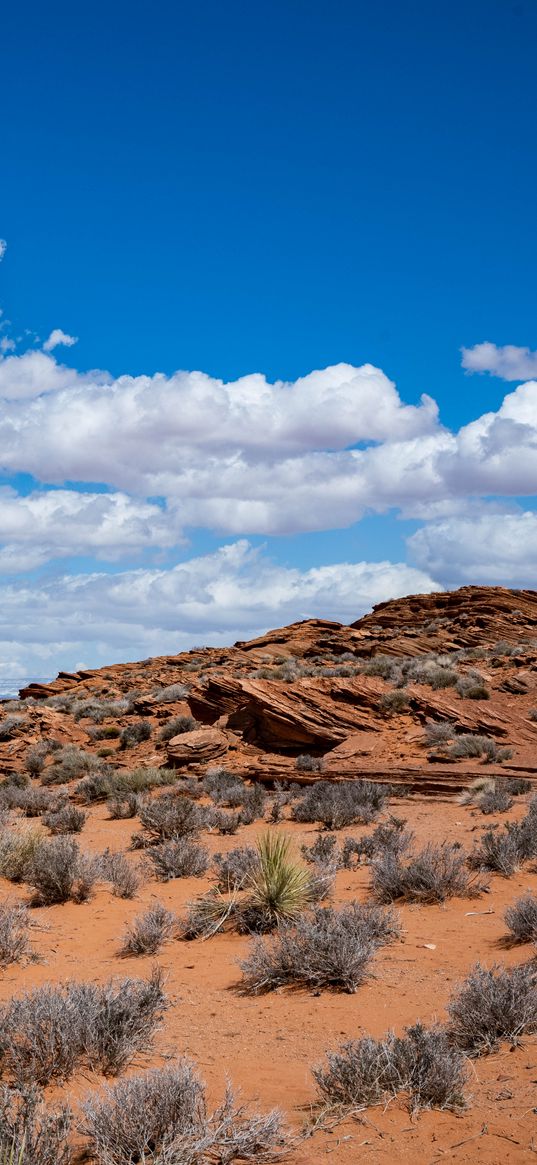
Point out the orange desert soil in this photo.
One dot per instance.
(267, 1045)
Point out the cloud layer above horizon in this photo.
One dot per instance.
(124, 470)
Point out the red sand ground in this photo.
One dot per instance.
(267, 1045)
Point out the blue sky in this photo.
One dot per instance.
(261, 190)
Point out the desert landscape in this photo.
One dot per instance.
(303, 868)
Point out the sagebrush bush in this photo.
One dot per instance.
(59, 872)
(390, 835)
(493, 1004)
(122, 808)
(220, 785)
(33, 802)
(339, 804)
(135, 733)
(324, 948)
(423, 1064)
(161, 1118)
(498, 851)
(47, 1033)
(17, 852)
(170, 816)
(171, 694)
(397, 701)
(469, 744)
(176, 726)
(253, 803)
(179, 858)
(123, 875)
(521, 919)
(68, 819)
(31, 1134)
(323, 852)
(146, 933)
(433, 874)
(495, 800)
(309, 764)
(70, 764)
(34, 761)
(10, 726)
(14, 937)
(517, 786)
(439, 732)
(234, 868)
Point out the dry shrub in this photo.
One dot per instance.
(169, 816)
(31, 1134)
(14, 926)
(495, 800)
(135, 733)
(149, 931)
(234, 868)
(161, 1118)
(179, 858)
(324, 948)
(435, 873)
(31, 802)
(170, 694)
(390, 835)
(493, 1004)
(339, 804)
(68, 819)
(123, 807)
(504, 851)
(123, 875)
(423, 1064)
(176, 725)
(521, 919)
(323, 852)
(306, 763)
(59, 872)
(18, 851)
(394, 702)
(49, 1032)
(70, 764)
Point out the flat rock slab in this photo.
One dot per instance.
(197, 747)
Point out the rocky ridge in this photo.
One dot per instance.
(358, 699)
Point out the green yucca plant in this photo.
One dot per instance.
(279, 887)
(11, 1155)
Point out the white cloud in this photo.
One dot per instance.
(3, 248)
(498, 549)
(57, 338)
(235, 593)
(508, 362)
(251, 457)
(58, 523)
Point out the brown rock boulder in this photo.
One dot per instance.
(197, 747)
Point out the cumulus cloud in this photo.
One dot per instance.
(237, 592)
(498, 549)
(253, 457)
(508, 362)
(57, 338)
(50, 524)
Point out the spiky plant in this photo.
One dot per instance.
(11, 1155)
(280, 887)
